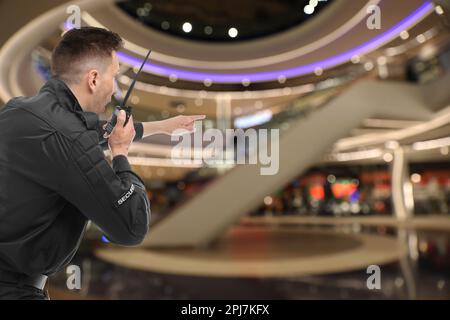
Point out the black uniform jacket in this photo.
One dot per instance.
(54, 177)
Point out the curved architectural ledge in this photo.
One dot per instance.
(19, 46)
(433, 222)
(265, 252)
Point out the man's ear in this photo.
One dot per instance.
(93, 80)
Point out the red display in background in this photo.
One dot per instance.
(317, 192)
(374, 177)
(383, 187)
(343, 190)
(443, 176)
(313, 179)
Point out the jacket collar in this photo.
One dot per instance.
(67, 100)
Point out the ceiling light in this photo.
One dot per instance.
(431, 144)
(142, 12)
(165, 25)
(415, 178)
(404, 35)
(207, 82)
(309, 9)
(331, 178)
(358, 155)
(282, 79)
(208, 30)
(419, 14)
(318, 71)
(232, 32)
(439, 10)
(368, 66)
(388, 157)
(356, 59)
(173, 78)
(252, 120)
(268, 200)
(421, 38)
(187, 27)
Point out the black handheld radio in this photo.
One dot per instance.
(111, 123)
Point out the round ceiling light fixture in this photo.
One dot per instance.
(187, 27)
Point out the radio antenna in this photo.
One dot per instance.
(124, 101)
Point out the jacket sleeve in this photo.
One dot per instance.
(114, 198)
(138, 127)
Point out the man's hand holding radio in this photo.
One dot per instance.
(121, 137)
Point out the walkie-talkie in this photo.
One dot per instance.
(111, 123)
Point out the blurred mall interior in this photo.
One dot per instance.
(363, 113)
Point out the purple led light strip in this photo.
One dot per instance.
(288, 73)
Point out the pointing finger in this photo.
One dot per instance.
(197, 117)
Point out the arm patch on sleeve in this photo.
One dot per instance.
(125, 197)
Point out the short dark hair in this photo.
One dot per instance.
(82, 44)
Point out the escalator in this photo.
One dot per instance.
(202, 219)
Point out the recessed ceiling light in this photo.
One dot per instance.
(268, 200)
(421, 38)
(207, 82)
(415, 178)
(404, 35)
(173, 78)
(356, 59)
(165, 25)
(309, 9)
(232, 32)
(208, 30)
(142, 12)
(368, 66)
(187, 27)
(439, 10)
(388, 157)
(282, 79)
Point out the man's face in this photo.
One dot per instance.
(106, 85)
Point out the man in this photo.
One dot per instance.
(53, 173)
